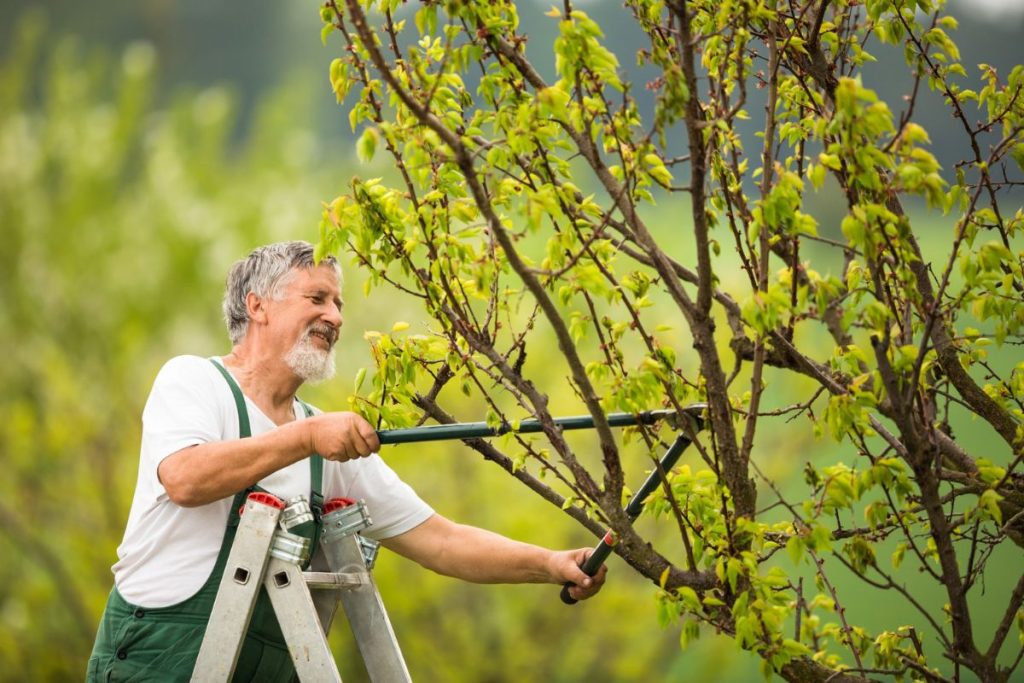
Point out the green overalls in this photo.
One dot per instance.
(161, 644)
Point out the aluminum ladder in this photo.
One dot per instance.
(267, 552)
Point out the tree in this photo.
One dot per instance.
(522, 218)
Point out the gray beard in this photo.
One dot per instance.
(309, 363)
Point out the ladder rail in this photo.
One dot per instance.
(364, 608)
(300, 623)
(236, 595)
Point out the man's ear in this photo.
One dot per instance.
(256, 307)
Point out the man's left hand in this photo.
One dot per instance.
(565, 566)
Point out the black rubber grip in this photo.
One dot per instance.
(590, 566)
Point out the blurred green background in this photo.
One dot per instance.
(146, 146)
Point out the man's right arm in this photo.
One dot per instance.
(207, 472)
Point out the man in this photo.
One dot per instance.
(215, 429)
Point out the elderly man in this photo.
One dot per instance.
(216, 429)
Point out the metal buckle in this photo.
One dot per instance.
(290, 547)
(297, 512)
(345, 521)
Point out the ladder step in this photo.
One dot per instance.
(336, 580)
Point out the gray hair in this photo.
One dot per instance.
(264, 272)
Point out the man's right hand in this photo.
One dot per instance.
(341, 436)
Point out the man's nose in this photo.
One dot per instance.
(333, 317)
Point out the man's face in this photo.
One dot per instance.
(308, 316)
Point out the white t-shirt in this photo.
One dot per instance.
(169, 551)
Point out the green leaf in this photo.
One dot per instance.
(989, 500)
(820, 539)
(795, 549)
(1018, 155)
(689, 598)
(897, 556)
(689, 633)
(366, 146)
(816, 174)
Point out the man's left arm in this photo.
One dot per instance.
(482, 556)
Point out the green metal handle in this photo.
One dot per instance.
(477, 430)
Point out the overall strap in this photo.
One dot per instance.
(243, 414)
(316, 466)
(244, 431)
(316, 478)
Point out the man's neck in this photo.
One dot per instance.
(266, 380)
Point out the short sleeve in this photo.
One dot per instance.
(183, 410)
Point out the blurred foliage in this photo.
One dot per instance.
(118, 222)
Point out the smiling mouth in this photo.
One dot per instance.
(329, 336)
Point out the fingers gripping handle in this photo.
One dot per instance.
(591, 565)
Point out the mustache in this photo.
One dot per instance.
(326, 331)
